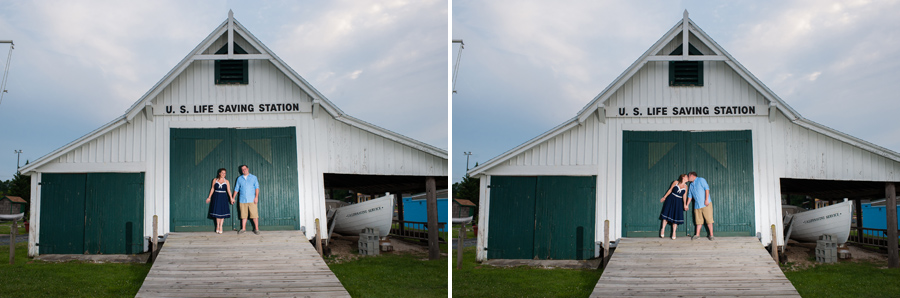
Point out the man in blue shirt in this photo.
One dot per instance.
(703, 211)
(246, 187)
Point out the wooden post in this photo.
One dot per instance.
(155, 239)
(859, 218)
(400, 212)
(318, 238)
(459, 245)
(12, 242)
(890, 205)
(605, 243)
(431, 203)
(774, 245)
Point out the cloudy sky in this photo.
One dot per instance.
(79, 64)
(528, 67)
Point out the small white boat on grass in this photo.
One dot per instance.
(12, 217)
(375, 213)
(807, 226)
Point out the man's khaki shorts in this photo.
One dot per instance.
(701, 216)
(249, 209)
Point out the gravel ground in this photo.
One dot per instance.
(4, 239)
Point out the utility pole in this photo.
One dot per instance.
(456, 67)
(6, 70)
(18, 154)
(467, 160)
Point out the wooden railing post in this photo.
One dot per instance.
(434, 251)
(774, 245)
(318, 238)
(12, 241)
(890, 205)
(155, 239)
(605, 243)
(459, 245)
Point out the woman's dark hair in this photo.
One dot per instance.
(682, 178)
(220, 171)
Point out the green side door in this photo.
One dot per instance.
(543, 217)
(94, 213)
(653, 159)
(511, 223)
(564, 218)
(62, 213)
(197, 154)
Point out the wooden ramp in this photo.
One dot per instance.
(272, 264)
(662, 267)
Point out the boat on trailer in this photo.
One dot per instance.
(353, 218)
(807, 226)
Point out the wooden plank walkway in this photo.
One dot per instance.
(662, 267)
(272, 264)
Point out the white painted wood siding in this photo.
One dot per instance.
(781, 149)
(807, 154)
(324, 144)
(694, 41)
(223, 40)
(196, 86)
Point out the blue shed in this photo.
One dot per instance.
(414, 208)
(875, 215)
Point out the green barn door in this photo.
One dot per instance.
(62, 213)
(271, 155)
(511, 223)
(95, 213)
(543, 218)
(652, 160)
(196, 155)
(725, 160)
(564, 218)
(114, 209)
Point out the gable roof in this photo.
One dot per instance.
(685, 28)
(231, 26)
(17, 200)
(463, 202)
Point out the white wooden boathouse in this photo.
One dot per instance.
(685, 105)
(230, 101)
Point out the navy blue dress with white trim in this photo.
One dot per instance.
(673, 208)
(218, 206)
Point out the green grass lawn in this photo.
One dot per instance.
(29, 278)
(846, 279)
(393, 275)
(470, 233)
(476, 280)
(6, 226)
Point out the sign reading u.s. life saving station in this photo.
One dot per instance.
(692, 111)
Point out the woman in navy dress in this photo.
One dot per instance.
(672, 211)
(219, 197)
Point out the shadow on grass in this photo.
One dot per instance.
(393, 275)
(476, 280)
(846, 279)
(30, 278)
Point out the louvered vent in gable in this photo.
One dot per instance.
(686, 73)
(231, 71)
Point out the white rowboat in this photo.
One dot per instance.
(808, 225)
(376, 213)
(12, 217)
